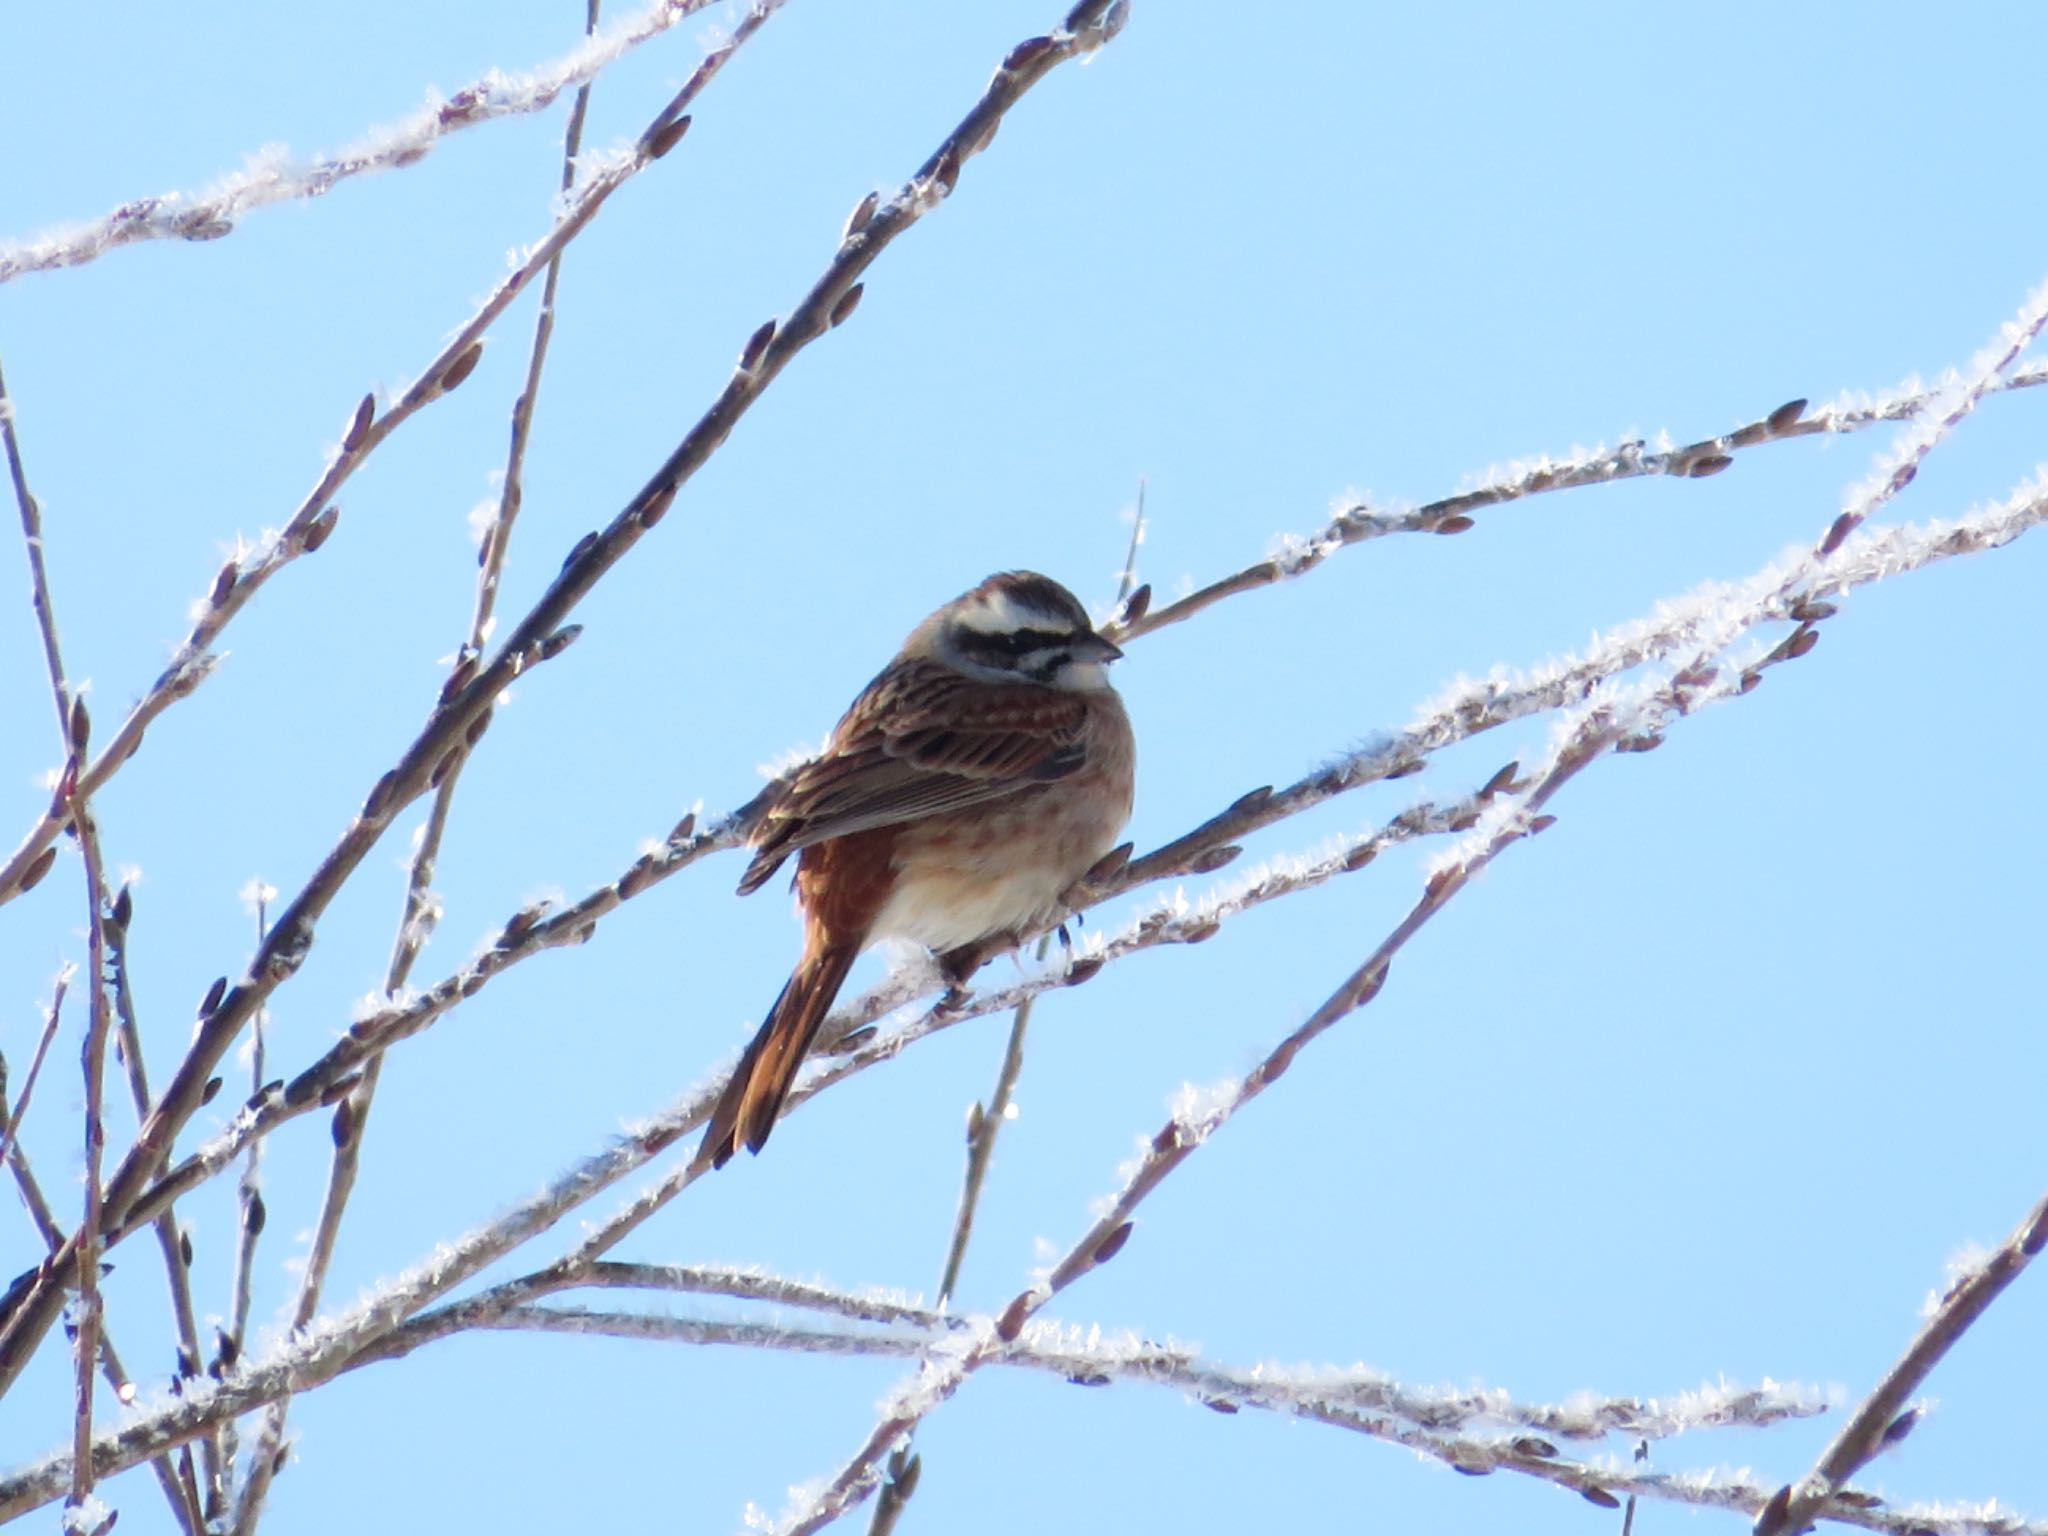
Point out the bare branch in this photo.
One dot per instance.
(1882, 1420)
(309, 526)
(1350, 1398)
(1360, 523)
(1446, 1425)
(171, 1241)
(351, 1117)
(1600, 726)
(87, 1246)
(38, 572)
(9, 1148)
(464, 709)
(174, 1478)
(270, 178)
(1703, 622)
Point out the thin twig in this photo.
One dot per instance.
(38, 572)
(1365, 1401)
(527, 931)
(1360, 1400)
(314, 519)
(652, 1137)
(252, 1215)
(940, 1378)
(30, 1187)
(93, 1344)
(212, 213)
(1224, 1388)
(337, 1072)
(1865, 558)
(1882, 1419)
(87, 1312)
(1474, 707)
(1306, 552)
(249, 1195)
(416, 921)
(984, 1124)
(1628, 1514)
(32, 1303)
(750, 1285)
(1421, 1428)
(1602, 725)
(984, 1121)
(51, 1014)
(1360, 523)
(1172, 1146)
(171, 1241)
(465, 709)
(173, 1477)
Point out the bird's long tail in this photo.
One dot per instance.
(753, 1095)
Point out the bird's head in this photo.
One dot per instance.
(1018, 626)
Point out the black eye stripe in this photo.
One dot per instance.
(1016, 642)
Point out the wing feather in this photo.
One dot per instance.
(922, 739)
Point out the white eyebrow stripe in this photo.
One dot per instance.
(999, 613)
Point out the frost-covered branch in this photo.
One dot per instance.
(1611, 719)
(31, 1304)
(38, 570)
(531, 931)
(984, 1125)
(1172, 922)
(175, 1478)
(421, 907)
(1358, 522)
(172, 1244)
(10, 1120)
(1474, 1432)
(92, 1342)
(252, 1217)
(464, 708)
(467, 700)
(944, 1371)
(316, 1354)
(1352, 1397)
(758, 1285)
(1468, 708)
(1867, 556)
(272, 176)
(313, 521)
(1883, 1419)
(1092, 1357)
(88, 1311)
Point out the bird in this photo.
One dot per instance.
(980, 774)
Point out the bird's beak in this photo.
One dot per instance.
(1093, 647)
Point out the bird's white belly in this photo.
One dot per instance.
(957, 904)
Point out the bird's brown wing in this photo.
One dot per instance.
(921, 739)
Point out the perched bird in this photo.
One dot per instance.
(973, 781)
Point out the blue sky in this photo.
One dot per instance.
(1707, 1083)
